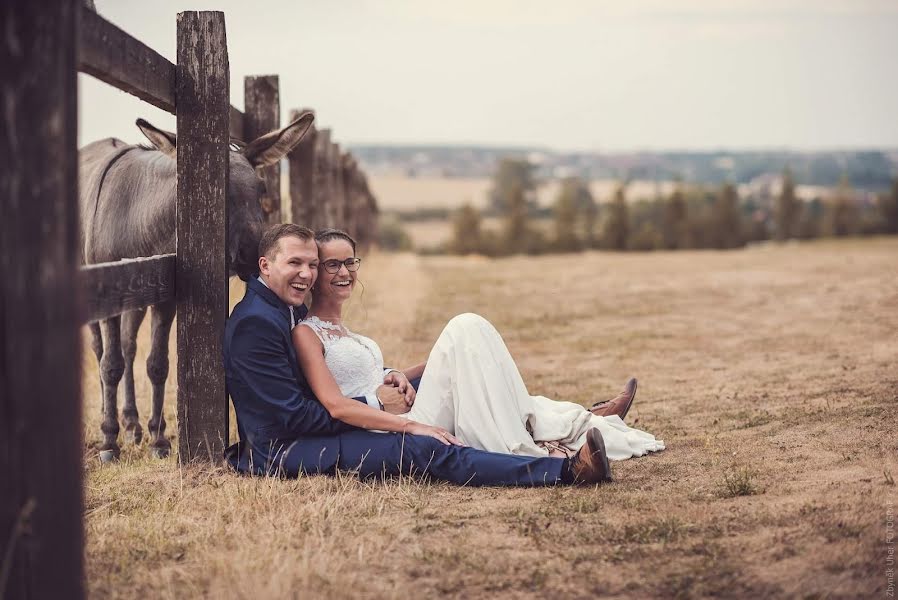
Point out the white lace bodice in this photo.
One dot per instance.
(355, 361)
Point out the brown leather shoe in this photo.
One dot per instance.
(590, 464)
(619, 405)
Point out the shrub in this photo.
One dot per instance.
(393, 237)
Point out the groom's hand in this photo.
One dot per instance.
(393, 400)
(398, 380)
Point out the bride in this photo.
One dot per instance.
(470, 390)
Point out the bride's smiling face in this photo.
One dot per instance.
(339, 284)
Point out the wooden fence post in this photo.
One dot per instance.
(339, 204)
(262, 113)
(41, 451)
(367, 227)
(201, 274)
(302, 176)
(323, 180)
(347, 172)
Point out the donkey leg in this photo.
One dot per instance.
(96, 344)
(130, 419)
(157, 370)
(112, 366)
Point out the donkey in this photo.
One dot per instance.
(128, 209)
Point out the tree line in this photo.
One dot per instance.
(691, 216)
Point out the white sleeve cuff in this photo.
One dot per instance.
(373, 402)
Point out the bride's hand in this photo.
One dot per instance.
(439, 433)
(398, 380)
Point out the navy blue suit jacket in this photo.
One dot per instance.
(270, 394)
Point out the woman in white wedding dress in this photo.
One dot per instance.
(470, 385)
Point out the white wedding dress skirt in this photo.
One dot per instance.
(472, 388)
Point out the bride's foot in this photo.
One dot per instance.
(619, 405)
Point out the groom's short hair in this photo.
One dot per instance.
(268, 246)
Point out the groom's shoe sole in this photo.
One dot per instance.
(590, 464)
(626, 397)
(601, 454)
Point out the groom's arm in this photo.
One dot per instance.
(260, 361)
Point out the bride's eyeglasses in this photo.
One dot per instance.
(333, 265)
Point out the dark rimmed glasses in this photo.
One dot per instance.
(333, 265)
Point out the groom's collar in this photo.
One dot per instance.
(266, 294)
(257, 285)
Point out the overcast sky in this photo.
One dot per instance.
(567, 75)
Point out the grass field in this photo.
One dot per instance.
(769, 372)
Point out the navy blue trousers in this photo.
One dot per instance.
(378, 455)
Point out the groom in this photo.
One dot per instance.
(283, 428)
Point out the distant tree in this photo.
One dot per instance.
(726, 219)
(569, 206)
(674, 227)
(517, 231)
(842, 215)
(467, 237)
(587, 209)
(809, 220)
(512, 174)
(888, 209)
(590, 222)
(392, 236)
(647, 237)
(787, 208)
(616, 229)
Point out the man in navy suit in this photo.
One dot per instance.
(285, 430)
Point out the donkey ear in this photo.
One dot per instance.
(272, 147)
(164, 141)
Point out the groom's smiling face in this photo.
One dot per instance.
(291, 269)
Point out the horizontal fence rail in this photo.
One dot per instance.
(124, 62)
(116, 287)
(111, 55)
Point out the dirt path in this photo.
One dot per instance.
(769, 372)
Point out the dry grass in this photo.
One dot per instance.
(769, 372)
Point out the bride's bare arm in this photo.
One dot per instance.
(415, 371)
(400, 381)
(321, 380)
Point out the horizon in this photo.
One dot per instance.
(652, 76)
(709, 150)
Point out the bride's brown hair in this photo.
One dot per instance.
(322, 236)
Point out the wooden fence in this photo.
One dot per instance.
(41, 309)
(329, 189)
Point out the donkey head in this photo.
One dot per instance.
(246, 219)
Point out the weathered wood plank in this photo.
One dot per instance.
(41, 538)
(367, 228)
(113, 288)
(263, 114)
(351, 193)
(115, 57)
(339, 201)
(235, 123)
(301, 162)
(111, 55)
(321, 211)
(201, 274)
